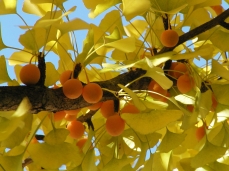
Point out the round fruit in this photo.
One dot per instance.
(80, 143)
(107, 108)
(173, 65)
(200, 132)
(66, 75)
(92, 93)
(58, 116)
(185, 83)
(169, 38)
(95, 106)
(190, 108)
(130, 108)
(115, 125)
(154, 86)
(179, 70)
(76, 129)
(72, 88)
(72, 112)
(218, 9)
(29, 74)
(69, 117)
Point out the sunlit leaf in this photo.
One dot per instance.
(8, 7)
(150, 122)
(219, 70)
(219, 166)
(56, 136)
(10, 163)
(52, 76)
(57, 155)
(141, 26)
(209, 153)
(2, 45)
(133, 8)
(221, 93)
(170, 141)
(139, 104)
(36, 9)
(89, 161)
(4, 77)
(141, 159)
(102, 6)
(56, 2)
(185, 99)
(14, 120)
(75, 24)
(169, 6)
(161, 161)
(125, 45)
(19, 134)
(117, 164)
(111, 21)
(223, 37)
(158, 75)
(44, 23)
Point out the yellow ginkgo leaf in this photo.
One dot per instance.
(57, 155)
(219, 70)
(126, 45)
(75, 24)
(133, 8)
(2, 45)
(44, 23)
(8, 7)
(4, 77)
(52, 76)
(152, 121)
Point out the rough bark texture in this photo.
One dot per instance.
(47, 99)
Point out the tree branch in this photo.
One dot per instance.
(46, 99)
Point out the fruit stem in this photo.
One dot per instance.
(86, 75)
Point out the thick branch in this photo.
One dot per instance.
(46, 99)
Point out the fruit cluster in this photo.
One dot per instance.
(73, 88)
(185, 82)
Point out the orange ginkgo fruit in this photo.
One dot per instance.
(154, 86)
(72, 112)
(92, 93)
(179, 70)
(81, 142)
(185, 83)
(58, 116)
(115, 125)
(107, 108)
(200, 132)
(29, 74)
(169, 38)
(66, 75)
(76, 129)
(95, 106)
(130, 108)
(218, 9)
(68, 117)
(72, 88)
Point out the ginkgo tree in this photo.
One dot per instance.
(135, 87)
